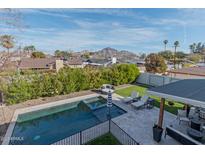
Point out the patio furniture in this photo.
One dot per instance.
(192, 112)
(196, 124)
(202, 113)
(134, 96)
(150, 103)
(203, 128)
(180, 137)
(195, 134)
(140, 103)
(181, 116)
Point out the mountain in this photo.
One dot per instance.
(122, 55)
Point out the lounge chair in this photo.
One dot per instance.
(134, 95)
(140, 103)
(181, 116)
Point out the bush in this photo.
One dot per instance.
(67, 80)
(19, 90)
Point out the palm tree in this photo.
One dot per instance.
(176, 44)
(165, 44)
(7, 41)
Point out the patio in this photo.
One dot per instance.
(191, 93)
(139, 123)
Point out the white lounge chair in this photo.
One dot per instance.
(141, 102)
(133, 96)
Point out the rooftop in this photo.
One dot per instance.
(189, 91)
(36, 63)
(199, 71)
(75, 61)
(98, 61)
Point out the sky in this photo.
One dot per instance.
(135, 30)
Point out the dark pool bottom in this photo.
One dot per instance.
(54, 127)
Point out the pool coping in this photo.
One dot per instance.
(12, 123)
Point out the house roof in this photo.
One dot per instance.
(189, 91)
(38, 63)
(98, 61)
(199, 71)
(75, 61)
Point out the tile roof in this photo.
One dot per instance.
(36, 63)
(75, 61)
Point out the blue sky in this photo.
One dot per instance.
(136, 30)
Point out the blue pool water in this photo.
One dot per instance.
(50, 125)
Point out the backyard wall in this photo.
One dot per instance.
(155, 80)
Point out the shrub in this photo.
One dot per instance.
(67, 80)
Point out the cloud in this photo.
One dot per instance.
(79, 39)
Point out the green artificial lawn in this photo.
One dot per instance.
(142, 91)
(107, 139)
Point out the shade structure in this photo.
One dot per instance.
(188, 91)
(109, 100)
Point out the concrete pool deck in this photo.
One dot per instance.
(139, 123)
(136, 123)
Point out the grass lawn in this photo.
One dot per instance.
(142, 90)
(107, 139)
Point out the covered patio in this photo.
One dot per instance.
(190, 92)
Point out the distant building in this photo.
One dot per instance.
(101, 62)
(41, 64)
(188, 73)
(75, 63)
(141, 65)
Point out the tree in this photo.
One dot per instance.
(63, 54)
(198, 48)
(155, 63)
(30, 48)
(86, 55)
(143, 56)
(180, 55)
(166, 54)
(7, 41)
(192, 47)
(38, 54)
(165, 44)
(195, 57)
(176, 45)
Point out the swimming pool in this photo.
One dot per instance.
(52, 124)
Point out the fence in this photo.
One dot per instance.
(121, 135)
(92, 133)
(155, 80)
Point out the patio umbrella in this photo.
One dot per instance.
(109, 103)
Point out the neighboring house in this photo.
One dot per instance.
(188, 73)
(75, 63)
(41, 64)
(141, 65)
(101, 62)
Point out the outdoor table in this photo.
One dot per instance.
(197, 135)
(196, 124)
